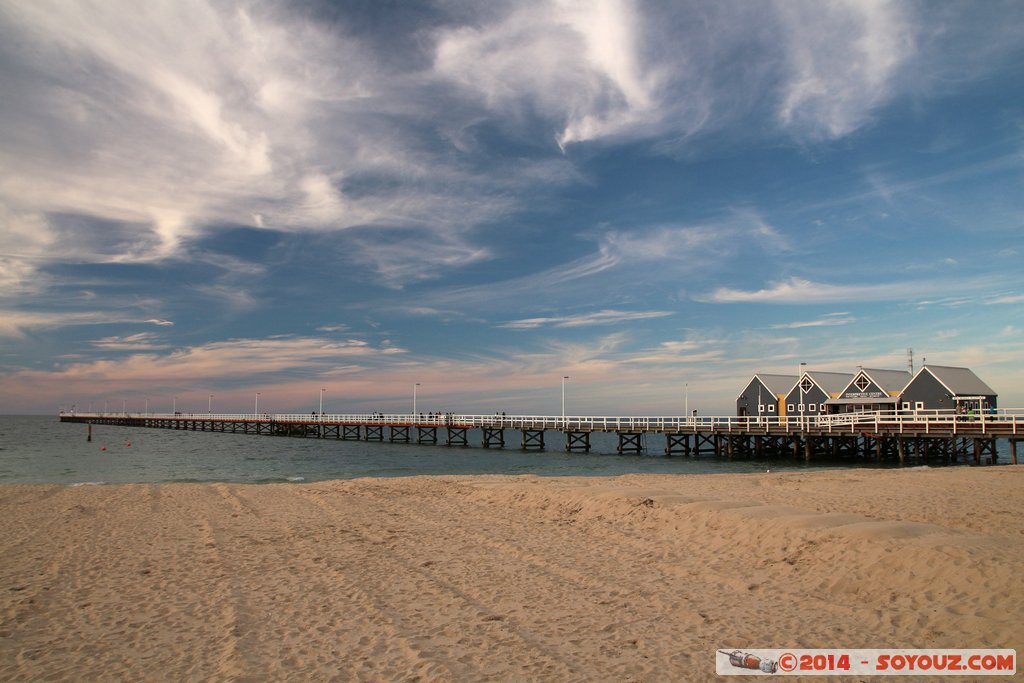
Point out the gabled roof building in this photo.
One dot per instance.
(939, 387)
(809, 395)
(934, 387)
(763, 394)
(870, 390)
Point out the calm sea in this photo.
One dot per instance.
(41, 449)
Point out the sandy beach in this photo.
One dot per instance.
(635, 578)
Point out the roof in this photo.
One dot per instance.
(959, 381)
(889, 381)
(830, 382)
(777, 384)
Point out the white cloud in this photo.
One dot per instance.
(142, 341)
(843, 60)
(606, 317)
(797, 290)
(577, 63)
(830, 320)
(1008, 299)
(15, 323)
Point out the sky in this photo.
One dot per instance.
(201, 201)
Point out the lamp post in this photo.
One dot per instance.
(322, 390)
(174, 406)
(564, 377)
(686, 400)
(415, 384)
(256, 410)
(147, 407)
(209, 405)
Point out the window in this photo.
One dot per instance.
(812, 407)
(906, 405)
(771, 407)
(806, 385)
(862, 383)
(760, 408)
(919, 405)
(802, 407)
(790, 407)
(822, 408)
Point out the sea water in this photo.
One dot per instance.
(41, 449)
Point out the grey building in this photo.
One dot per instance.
(939, 387)
(809, 394)
(870, 389)
(763, 395)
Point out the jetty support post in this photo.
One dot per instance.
(532, 439)
(630, 442)
(677, 443)
(426, 435)
(493, 436)
(457, 436)
(350, 433)
(577, 442)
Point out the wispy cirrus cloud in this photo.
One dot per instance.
(16, 323)
(605, 317)
(143, 341)
(829, 320)
(273, 120)
(797, 290)
(1007, 299)
(833, 87)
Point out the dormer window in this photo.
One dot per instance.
(862, 383)
(806, 385)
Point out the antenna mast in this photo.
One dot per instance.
(910, 360)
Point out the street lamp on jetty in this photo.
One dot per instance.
(564, 377)
(416, 384)
(322, 390)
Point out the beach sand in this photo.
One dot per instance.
(635, 578)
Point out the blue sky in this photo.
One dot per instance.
(656, 199)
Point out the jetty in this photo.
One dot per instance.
(917, 437)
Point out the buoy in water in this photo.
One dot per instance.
(128, 445)
(104, 448)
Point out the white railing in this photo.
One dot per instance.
(1002, 421)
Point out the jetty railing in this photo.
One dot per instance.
(1003, 421)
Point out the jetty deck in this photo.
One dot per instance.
(919, 437)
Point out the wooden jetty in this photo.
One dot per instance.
(923, 437)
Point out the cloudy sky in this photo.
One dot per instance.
(656, 199)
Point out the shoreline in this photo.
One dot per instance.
(503, 577)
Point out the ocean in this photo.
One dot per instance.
(41, 449)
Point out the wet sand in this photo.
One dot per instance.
(635, 578)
